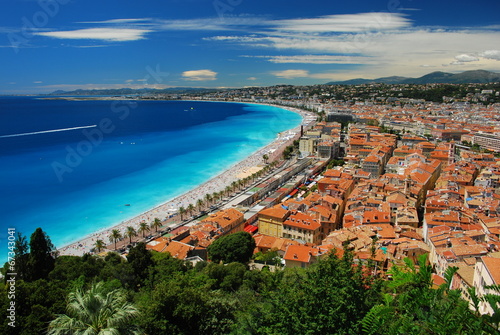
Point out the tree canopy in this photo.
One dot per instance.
(237, 247)
(333, 296)
(41, 260)
(97, 311)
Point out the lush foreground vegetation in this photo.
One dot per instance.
(153, 293)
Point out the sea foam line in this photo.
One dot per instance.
(48, 131)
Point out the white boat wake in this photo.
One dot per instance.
(48, 131)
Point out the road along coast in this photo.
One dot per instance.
(171, 207)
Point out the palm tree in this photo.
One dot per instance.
(115, 236)
(199, 204)
(99, 245)
(143, 227)
(215, 196)
(98, 312)
(156, 224)
(130, 233)
(182, 211)
(254, 176)
(227, 190)
(208, 199)
(234, 185)
(265, 158)
(190, 209)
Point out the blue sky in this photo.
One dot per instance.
(48, 45)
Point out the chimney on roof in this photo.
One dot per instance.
(407, 185)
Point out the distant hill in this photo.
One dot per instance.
(131, 91)
(476, 76)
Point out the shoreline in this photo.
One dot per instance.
(214, 184)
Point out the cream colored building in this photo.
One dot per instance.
(487, 273)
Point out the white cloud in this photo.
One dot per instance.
(119, 21)
(346, 23)
(212, 24)
(199, 75)
(465, 58)
(315, 59)
(491, 54)
(38, 82)
(291, 74)
(251, 78)
(385, 53)
(106, 34)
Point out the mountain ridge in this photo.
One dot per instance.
(126, 90)
(436, 77)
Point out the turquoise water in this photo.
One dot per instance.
(74, 182)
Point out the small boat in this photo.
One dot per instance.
(127, 204)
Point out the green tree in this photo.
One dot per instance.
(190, 209)
(199, 204)
(41, 259)
(237, 247)
(140, 259)
(412, 306)
(156, 224)
(21, 257)
(269, 257)
(228, 277)
(182, 211)
(143, 228)
(115, 236)
(130, 232)
(208, 199)
(96, 311)
(99, 245)
(185, 304)
(330, 297)
(265, 157)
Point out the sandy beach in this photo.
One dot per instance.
(273, 150)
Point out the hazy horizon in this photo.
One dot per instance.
(67, 45)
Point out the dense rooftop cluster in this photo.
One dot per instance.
(419, 178)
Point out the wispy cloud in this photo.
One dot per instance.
(119, 21)
(361, 22)
(382, 53)
(199, 75)
(291, 74)
(314, 59)
(105, 34)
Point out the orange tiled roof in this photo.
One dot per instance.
(158, 244)
(299, 253)
(303, 221)
(179, 250)
(276, 212)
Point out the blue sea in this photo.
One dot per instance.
(70, 167)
